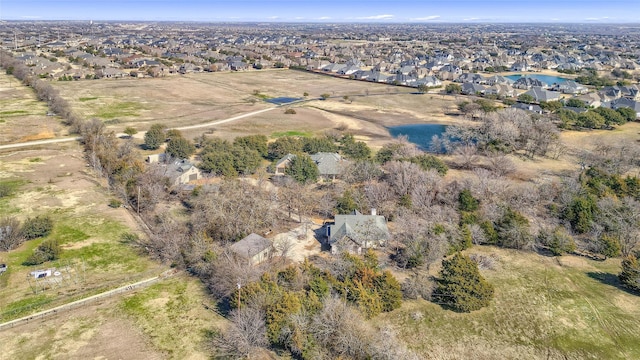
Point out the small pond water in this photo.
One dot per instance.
(547, 79)
(282, 100)
(419, 134)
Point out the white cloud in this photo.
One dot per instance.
(273, 17)
(597, 19)
(31, 17)
(377, 17)
(426, 18)
(324, 18)
(471, 19)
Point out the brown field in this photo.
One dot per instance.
(22, 116)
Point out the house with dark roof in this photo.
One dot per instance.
(528, 107)
(253, 248)
(528, 83)
(539, 94)
(355, 232)
(329, 164)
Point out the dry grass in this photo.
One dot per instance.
(22, 116)
(544, 308)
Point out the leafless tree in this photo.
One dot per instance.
(403, 176)
(10, 234)
(341, 329)
(500, 164)
(361, 172)
(246, 334)
(621, 218)
(467, 155)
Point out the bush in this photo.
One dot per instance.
(47, 251)
(290, 111)
(40, 226)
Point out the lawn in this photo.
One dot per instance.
(565, 308)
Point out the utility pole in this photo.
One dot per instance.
(239, 289)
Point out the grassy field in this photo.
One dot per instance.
(57, 184)
(169, 320)
(22, 116)
(199, 98)
(544, 308)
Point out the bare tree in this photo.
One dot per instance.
(467, 155)
(10, 234)
(500, 164)
(245, 336)
(621, 218)
(341, 329)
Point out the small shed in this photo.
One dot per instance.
(254, 248)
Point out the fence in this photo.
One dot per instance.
(85, 301)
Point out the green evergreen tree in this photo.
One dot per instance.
(630, 275)
(302, 169)
(181, 148)
(461, 287)
(155, 136)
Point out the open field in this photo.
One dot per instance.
(166, 320)
(57, 183)
(545, 308)
(22, 116)
(199, 98)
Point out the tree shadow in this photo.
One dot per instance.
(612, 280)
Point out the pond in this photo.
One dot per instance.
(547, 79)
(282, 100)
(419, 134)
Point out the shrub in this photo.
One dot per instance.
(47, 251)
(37, 227)
(290, 111)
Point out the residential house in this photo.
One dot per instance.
(428, 81)
(181, 172)
(253, 248)
(570, 87)
(590, 99)
(528, 82)
(473, 89)
(281, 165)
(539, 94)
(528, 107)
(499, 79)
(329, 164)
(471, 78)
(449, 72)
(355, 232)
(503, 90)
(624, 102)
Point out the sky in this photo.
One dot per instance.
(330, 11)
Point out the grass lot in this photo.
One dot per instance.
(22, 116)
(174, 315)
(564, 308)
(88, 231)
(166, 320)
(119, 109)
